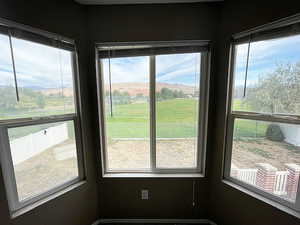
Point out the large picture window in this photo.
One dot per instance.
(153, 116)
(263, 126)
(39, 118)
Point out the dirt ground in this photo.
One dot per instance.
(247, 153)
(130, 154)
(181, 153)
(43, 171)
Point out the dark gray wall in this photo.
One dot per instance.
(229, 206)
(169, 198)
(79, 206)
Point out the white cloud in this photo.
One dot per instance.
(133, 69)
(36, 64)
(170, 68)
(265, 56)
(174, 67)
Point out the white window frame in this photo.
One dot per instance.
(154, 171)
(16, 206)
(231, 116)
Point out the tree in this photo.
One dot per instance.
(8, 98)
(126, 94)
(116, 93)
(166, 93)
(125, 98)
(277, 92)
(40, 101)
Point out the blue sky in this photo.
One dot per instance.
(264, 57)
(175, 69)
(36, 65)
(42, 66)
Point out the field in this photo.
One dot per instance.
(247, 128)
(176, 118)
(176, 124)
(52, 105)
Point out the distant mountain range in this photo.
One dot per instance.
(143, 88)
(132, 88)
(67, 92)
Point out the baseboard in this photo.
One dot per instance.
(192, 221)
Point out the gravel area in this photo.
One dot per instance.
(43, 171)
(247, 153)
(128, 154)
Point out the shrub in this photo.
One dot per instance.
(274, 133)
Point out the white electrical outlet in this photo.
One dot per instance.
(144, 194)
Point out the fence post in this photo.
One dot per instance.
(266, 176)
(292, 180)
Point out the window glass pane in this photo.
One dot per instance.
(7, 87)
(44, 76)
(44, 156)
(267, 155)
(177, 100)
(273, 83)
(126, 94)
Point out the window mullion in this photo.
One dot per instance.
(266, 117)
(297, 201)
(79, 148)
(76, 82)
(8, 170)
(101, 109)
(202, 110)
(229, 138)
(152, 70)
(37, 120)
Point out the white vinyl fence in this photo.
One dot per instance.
(249, 176)
(281, 183)
(30, 145)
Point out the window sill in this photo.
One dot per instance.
(264, 199)
(40, 202)
(153, 175)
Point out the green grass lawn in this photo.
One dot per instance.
(176, 118)
(247, 128)
(239, 105)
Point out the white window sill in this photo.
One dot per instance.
(152, 175)
(36, 204)
(264, 199)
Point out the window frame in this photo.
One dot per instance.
(232, 115)
(204, 80)
(16, 207)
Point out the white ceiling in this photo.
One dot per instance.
(114, 2)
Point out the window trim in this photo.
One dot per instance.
(36, 35)
(204, 81)
(232, 115)
(17, 207)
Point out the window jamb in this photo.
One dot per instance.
(202, 134)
